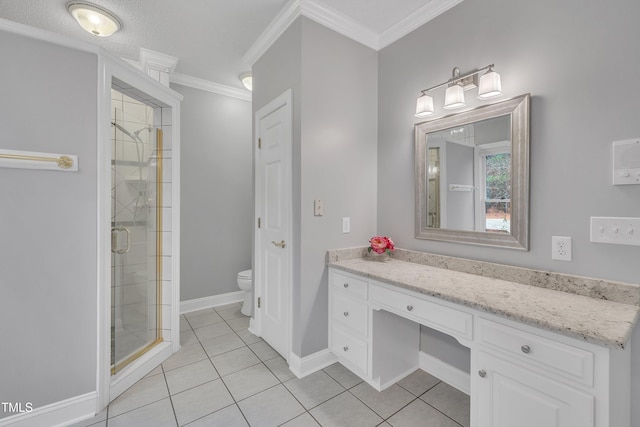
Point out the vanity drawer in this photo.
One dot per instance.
(436, 316)
(350, 313)
(349, 348)
(552, 356)
(349, 285)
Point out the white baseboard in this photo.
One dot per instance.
(304, 366)
(63, 413)
(209, 302)
(445, 372)
(252, 326)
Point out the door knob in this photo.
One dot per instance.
(482, 373)
(282, 244)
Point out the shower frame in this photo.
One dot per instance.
(109, 386)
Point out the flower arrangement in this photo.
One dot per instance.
(381, 244)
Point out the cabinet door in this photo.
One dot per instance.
(511, 395)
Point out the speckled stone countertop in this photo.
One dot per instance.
(593, 319)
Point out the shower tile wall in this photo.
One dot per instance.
(137, 274)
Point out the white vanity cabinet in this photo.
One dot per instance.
(520, 375)
(529, 380)
(349, 321)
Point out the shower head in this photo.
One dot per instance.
(147, 128)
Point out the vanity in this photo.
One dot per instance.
(538, 356)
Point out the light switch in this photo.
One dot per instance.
(318, 207)
(346, 225)
(615, 230)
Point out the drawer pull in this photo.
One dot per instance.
(482, 373)
(346, 285)
(525, 349)
(345, 348)
(346, 314)
(409, 307)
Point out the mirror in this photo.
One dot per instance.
(472, 176)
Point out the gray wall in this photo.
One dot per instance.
(334, 81)
(579, 61)
(216, 192)
(48, 255)
(278, 70)
(579, 65)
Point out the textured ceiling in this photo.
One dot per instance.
(209, 37)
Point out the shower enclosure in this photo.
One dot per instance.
(136, 230)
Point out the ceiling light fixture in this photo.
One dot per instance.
(247, 80)
(490, 87)
(94, 19)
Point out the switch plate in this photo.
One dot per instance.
(615, 230)
(318, 207)
(561, 248)
(346, 225)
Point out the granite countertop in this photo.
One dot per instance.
(598, 321)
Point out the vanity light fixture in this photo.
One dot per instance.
(490, 86)
(247, 80)
(94, 19)
(454, 97)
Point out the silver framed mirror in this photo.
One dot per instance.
(472, 176)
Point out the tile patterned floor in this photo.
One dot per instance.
(225, 376)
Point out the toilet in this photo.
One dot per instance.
(246, 285)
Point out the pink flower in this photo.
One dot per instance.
(381, 244)
(390, 245)
(378, 244)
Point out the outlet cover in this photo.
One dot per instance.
(561, 248)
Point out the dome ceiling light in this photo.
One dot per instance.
(94, 19)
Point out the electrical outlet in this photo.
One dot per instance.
(561, 248)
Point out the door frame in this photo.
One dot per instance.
(108, 387)
(285, 100)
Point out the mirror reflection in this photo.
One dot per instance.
(472, 176)
(469, 176)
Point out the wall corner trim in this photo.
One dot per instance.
(280, 23)
(303, 366)
(209, 86)
(211, 301)
(62, 413)
(343, 24)
(420, 17)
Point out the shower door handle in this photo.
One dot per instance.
(114, 240)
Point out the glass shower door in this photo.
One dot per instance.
(135, 234)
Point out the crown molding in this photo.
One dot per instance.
(279, 25)
(150, 59)
(349, 27)
(420, 17)
(209, 86)
(48, 36)
(339, 22)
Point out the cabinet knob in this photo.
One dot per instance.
(346, 313)
(409, 307)
(346, 285)
(345, 348)
(525, 349)
(482, 373)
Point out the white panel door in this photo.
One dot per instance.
(273, 245)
